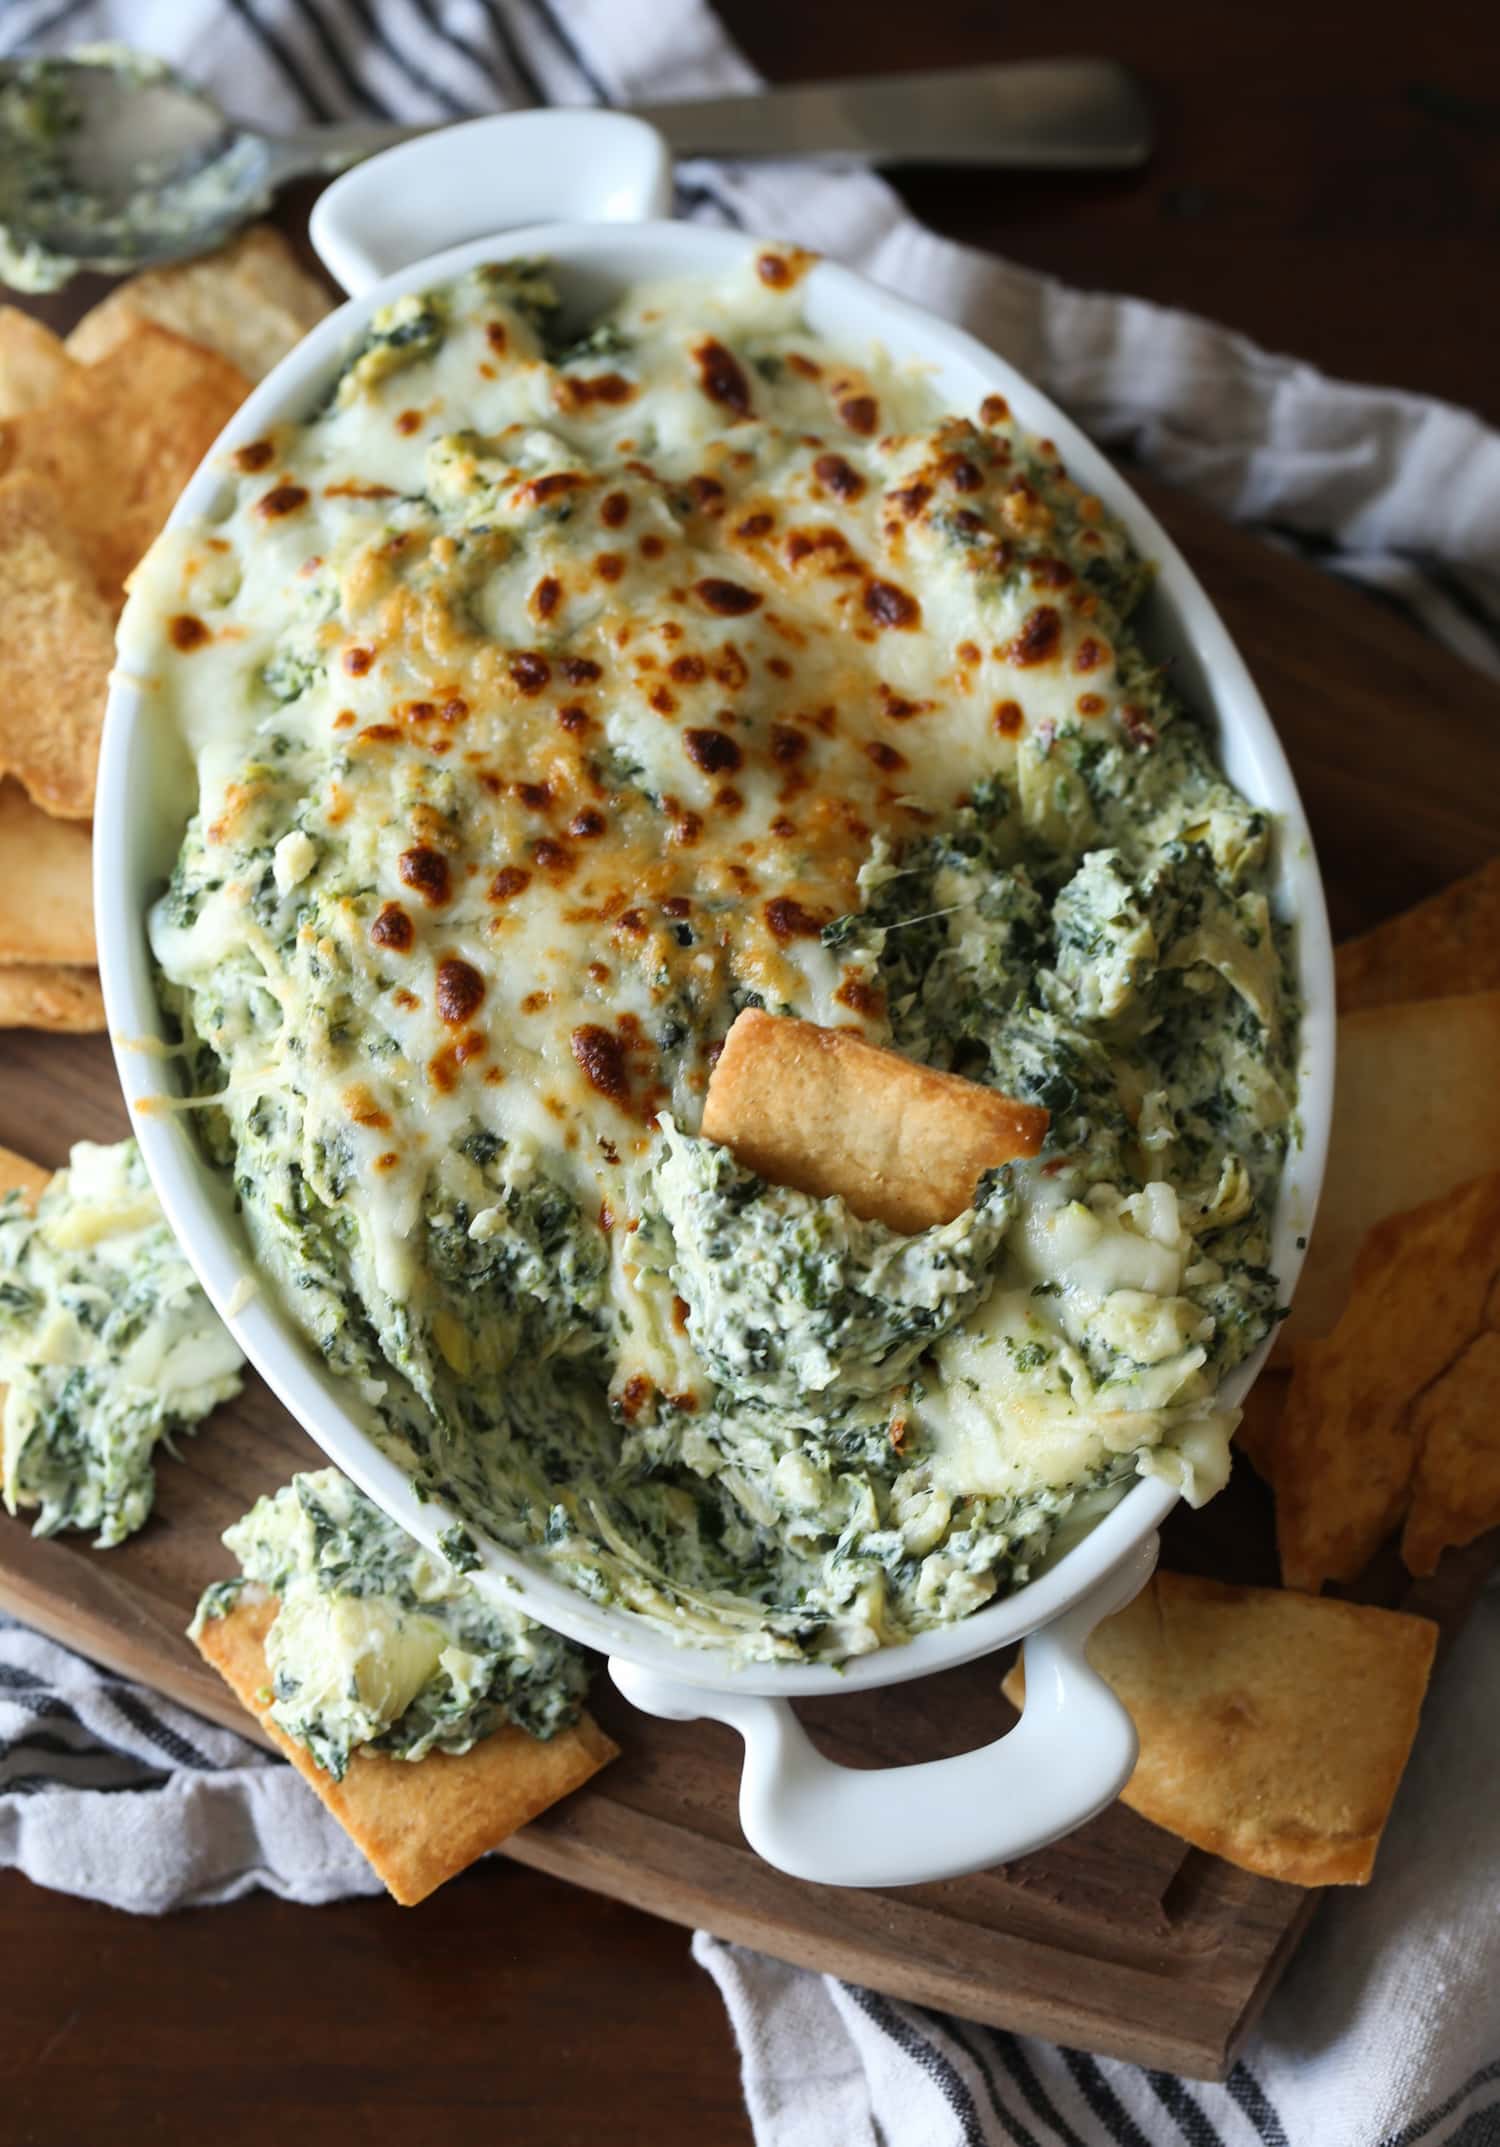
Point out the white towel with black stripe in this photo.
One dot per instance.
(110, 1791)
(1385, 2033)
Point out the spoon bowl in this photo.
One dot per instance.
(110, 160)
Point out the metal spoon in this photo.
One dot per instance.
(109, 159)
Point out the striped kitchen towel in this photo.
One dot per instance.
(1386, 2032)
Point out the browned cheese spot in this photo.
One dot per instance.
(611, 388)
(460, 990)
(393, 929)
(538, 490)
(861, 413)
(426, 870)
(838, 476)
(861, 997)
(889, 606)
(1039, 640)
(728, 598)
(722, 377)
(787, 745)
(601, 1056)
(530, 670)
(707, 494)
(715, 752)
(885, 756)
(912, 498)
(789, 920)
(279, 501)
(553, 857)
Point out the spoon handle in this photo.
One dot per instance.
(1063, 115)
(331, 149)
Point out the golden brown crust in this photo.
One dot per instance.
(250, 301)
(1347, 1447)
(419, 1822)
(45, 995)
(825, 1112)
(34, 364)
(1448, 944)
(1414, 1116)
(55, 652)
(46, 884)
(120, 441)
(1455, 1492)
(1274, 1727)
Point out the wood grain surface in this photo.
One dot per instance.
(1327, 185)
(1118, 1939)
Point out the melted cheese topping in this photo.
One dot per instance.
(619, 671)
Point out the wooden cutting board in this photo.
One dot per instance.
(1118, 1940)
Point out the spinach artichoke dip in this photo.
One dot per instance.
(558, 690)
(376, 1643)
(107, 1346)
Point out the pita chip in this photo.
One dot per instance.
(122, 439)
(55, 653)
(419, 1822)
(1455, 1494)
(825, 1112)
(250, 301)
(1261, 1413)
(1274, 1727)
(1416, 1112)
(1446, 945)
(1346, 1449)
(45, 995)
(34, 365)
(46, 890)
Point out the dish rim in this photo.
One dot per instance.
(194, 1195)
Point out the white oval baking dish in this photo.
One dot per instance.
(1074, 1746)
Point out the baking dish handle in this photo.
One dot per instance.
(1069, 1755)
(488, 175)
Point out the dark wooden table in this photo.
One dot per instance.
(1321, 184)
